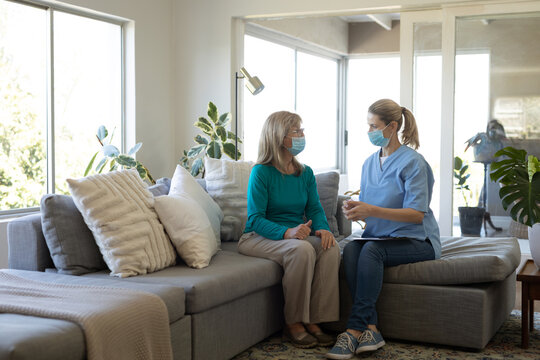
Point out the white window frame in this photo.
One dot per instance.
(50, 8)
(302, 46)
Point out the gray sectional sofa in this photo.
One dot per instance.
(219, 311)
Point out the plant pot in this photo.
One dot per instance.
(534, 243)
(470, 220)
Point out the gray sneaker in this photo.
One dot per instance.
(369, 341)
(344, 348)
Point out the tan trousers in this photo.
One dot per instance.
(310, 279)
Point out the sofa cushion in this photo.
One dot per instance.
(227, 183)
(189, 229)
(464, 260)
(119, 210)
(327, 188)
(172, 296)
(184, 184)
(36, 338)
(230, 276)
(70, 241)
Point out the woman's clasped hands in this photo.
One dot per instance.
(302, 231)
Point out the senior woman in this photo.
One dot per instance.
(281, 192)
(395, 193)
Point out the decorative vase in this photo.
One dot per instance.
(470, 220)
(534, 243)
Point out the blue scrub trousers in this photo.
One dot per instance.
(364, 263)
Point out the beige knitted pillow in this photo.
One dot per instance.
(119, 210)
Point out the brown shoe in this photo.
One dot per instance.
(301, 340)
(322, 338)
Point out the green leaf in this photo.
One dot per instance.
(101, 165)
(222, 133)
(113, 166)
(458, 163)
(90, 164)
(196, 150)
(196, 167)
(110, 151)
(126, 161)
(134, 149)
(224, 119)
(143, 173)
(229, 150)
(201, 140)
(205, 127)
(213, 150)
(232, 136)
(102, 133)
(212, 112)
(533, 166)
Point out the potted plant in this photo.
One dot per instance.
(519, 176)
(112, 158)
(470, 217)
(215, 141)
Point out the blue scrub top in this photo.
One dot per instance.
(405, 180)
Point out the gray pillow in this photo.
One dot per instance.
(70, 242)
(159, 189)
(327, 187)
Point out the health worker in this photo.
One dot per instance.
(395, 193)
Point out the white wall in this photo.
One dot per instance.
(331, 33)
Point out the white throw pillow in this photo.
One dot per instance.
(189, 229)
(183, 184)
(227, 183)
(119, 210)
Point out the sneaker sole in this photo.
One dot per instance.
(370, 347)
(339, 357)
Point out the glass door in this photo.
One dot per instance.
(462, 68)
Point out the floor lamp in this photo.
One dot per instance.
(255, 86)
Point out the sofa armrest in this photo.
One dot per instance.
(27, 249)
(344, 225)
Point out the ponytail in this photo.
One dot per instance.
(409, 136)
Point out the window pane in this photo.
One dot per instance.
(369, 80)
(23, 168)
(427, 99)
(88, 91)
(317, 105)
(273, 64)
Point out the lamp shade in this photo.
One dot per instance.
(253, 83)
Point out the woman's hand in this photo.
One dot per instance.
(357, 210)
(327, 239)
(301, 232)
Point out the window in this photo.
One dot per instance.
(369, 79)
(53, 102)
(296, 81)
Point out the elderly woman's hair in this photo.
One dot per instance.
(388, 110)
(271, 149)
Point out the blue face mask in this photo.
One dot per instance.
(298, 144)
(377, 138)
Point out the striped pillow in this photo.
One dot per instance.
(119, 210)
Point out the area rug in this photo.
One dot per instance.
(506, 344)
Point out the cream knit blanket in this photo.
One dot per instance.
(117, 323)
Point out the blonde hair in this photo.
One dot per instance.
(388, 110)
(271, 149)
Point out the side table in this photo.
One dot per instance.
(529, 275)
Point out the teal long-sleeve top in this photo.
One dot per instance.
(277, 202)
